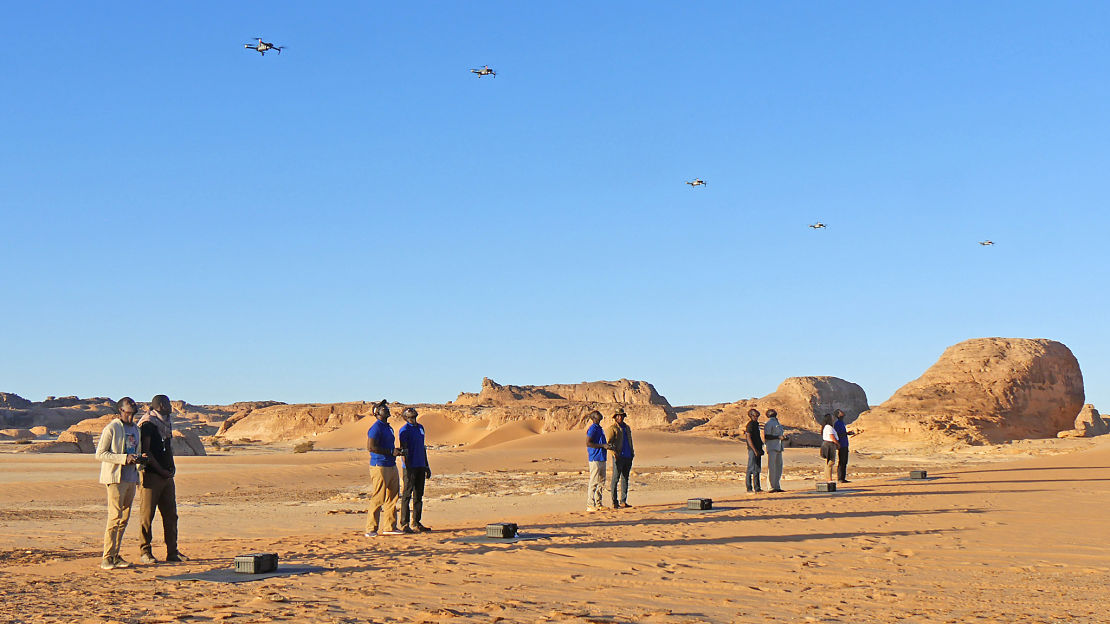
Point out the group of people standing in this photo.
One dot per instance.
(834, 448)
(385, 480)
(138, 456)
(617, 440)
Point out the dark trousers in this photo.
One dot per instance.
(622, 467)
(755, 465)
(157, 494)
(842, 464)
(413, 492)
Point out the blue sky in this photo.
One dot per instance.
(360, 217)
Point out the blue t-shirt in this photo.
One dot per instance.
(626, 441)
(841, 432)
(382, 435)
(130, 473)
(412, 440)
(596, 435)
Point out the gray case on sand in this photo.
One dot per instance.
(699, 503)
(826, 487)
(919, 474)
(504, 530)
(257, 563)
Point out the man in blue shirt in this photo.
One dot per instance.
(384, 481)
(620, 443)
(842, 452)
(595, 454)
(417, 471)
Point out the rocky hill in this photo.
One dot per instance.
(981, 391)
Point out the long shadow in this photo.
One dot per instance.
(917, 492)
(1046, 468)
(711, 518)
(1045, 481)
(717, 541)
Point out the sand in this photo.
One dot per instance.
(1016, 540)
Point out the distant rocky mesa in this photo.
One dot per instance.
(561, 407)
(983, 391)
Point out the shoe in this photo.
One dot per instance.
(107, 564)
(591, 509)
(148, 558)
(408, 530)
(370, 534)
(843, 481)
(120, 562)
(176, 558)
(392, 532)
(422, 528)
(776, 491)
(625, 505)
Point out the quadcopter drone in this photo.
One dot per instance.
(696, 182)
(484, 71)
(262, 46)
(818, 226)
(986, 243)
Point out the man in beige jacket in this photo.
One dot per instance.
(118, 453)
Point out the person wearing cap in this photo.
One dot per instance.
(384, 481)
(117, 449)
(842, 451)
(415, 455)
(755, 451)
(773, 434)
(595, 454)
(619, 436)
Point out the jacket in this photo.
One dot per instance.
(110, 452)
(615, 435)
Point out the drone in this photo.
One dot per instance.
(696, 182)
(484, 71)
(986, 243)
(262, 46)
(818, 226)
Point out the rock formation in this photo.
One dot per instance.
(1088, 424)
(799, 401)
(276, 423)
(981, 391)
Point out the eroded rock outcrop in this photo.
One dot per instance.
(981, 391)
(277, 423)
(1088, 424)
(799, 401)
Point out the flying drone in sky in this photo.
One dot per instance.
(484, 71)
(818, 226)
(262, 46)
(696, 182)
(986, 243)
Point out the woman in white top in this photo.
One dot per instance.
(830, 444)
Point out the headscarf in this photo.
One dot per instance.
(164, 423)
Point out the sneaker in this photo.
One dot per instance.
(148, 558)
(422, 528)
(120, 562)
(408, 530)
(392, 532)
(176, 558)
(776, 491)
(625, 505)
(107, 564)
(370, 534)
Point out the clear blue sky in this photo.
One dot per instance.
(360, 217)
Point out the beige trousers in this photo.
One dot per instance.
(385, 485)
(595, 492)
(120, 497)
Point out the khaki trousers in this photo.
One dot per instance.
(385, 486)
(595, 492)
(120, 497)
(158, 494)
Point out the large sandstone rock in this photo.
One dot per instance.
(14, 401)
(985, 390)
(1088, 424)
(278, 423)
(800, 402)
(187, 443)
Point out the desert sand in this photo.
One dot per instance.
(1012, 533)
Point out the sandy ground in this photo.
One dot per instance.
(999, 536)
